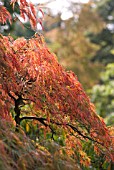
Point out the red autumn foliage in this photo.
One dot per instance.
(31, 75)
(4, 15)
(27, 9)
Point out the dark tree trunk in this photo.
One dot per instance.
(17, 111)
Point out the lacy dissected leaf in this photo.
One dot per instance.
(4, 15)
(27, 9)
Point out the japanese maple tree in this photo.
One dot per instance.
(30, 75)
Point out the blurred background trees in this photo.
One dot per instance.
(102, 93)
(105, 39)
(72, 45)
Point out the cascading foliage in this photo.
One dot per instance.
(30, 75)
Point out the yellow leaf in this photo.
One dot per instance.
(27, 127)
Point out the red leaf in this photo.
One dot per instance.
(4, 15)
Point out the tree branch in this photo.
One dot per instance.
(11, 96)
(84, 136)
(42, 120)
(78, 131)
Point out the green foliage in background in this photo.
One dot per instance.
(103, 95)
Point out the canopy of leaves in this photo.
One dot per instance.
(34, 86)
(30, 74)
